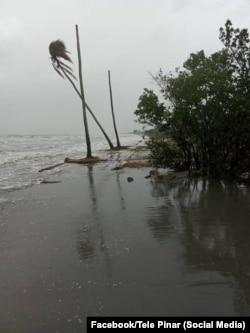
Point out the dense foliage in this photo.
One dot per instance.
(207, 121)
(149, 110)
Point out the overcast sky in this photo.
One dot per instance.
(128, 37)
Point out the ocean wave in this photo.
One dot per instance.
(22, 156)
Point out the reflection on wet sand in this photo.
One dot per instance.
(97, 244)
(205, 222)
(91, 235)
(211, 218)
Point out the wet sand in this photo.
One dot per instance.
(97, 245)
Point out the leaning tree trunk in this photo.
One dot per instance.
(112, 111)
(88, 143)
(90, 111)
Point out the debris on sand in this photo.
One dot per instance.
(91, 160)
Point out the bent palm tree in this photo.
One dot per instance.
(57, 50)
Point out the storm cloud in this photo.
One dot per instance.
(128, 37)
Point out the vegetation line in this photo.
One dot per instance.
(204, 124)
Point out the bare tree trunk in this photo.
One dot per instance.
(112, 111)
(90, 111)
(88, 143)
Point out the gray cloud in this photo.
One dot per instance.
(128, 37)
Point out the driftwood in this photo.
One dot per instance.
(133, 165)
(50, 181)
(136, 164)
(51, 167)
(90, 160)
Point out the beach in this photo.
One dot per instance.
(96, 244)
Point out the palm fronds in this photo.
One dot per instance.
(57, 50)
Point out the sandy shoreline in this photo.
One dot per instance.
(96, 244)
(56, 248)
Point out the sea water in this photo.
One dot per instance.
(98, 245)
(22, 156)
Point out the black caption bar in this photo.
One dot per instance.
(177, 323)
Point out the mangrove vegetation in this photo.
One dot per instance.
(204, 122)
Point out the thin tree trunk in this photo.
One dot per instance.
(90, 111)
(88, 143)
(113, 114)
